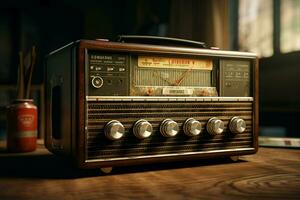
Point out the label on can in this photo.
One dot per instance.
(22, 126)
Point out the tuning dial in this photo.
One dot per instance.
(114, 130)
(142, 129)
(237, 125)
(97, 82)
(192, 127)
(169, 128)
(215, 126)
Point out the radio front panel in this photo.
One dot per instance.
(126, 104)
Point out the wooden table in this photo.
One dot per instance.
(270, 174)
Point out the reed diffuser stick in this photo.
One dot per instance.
(29, 72)
(20, 89)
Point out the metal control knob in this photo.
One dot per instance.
(192, 127)
(114, 130)
(142, 129)
(215, 126)
(237, 125)
(97, 82)
(169, 128)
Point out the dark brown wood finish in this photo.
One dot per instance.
(256, 104)
(270, 174)
(80, 150)
(125, 47)
(111, 46)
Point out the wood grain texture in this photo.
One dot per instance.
(270, 174)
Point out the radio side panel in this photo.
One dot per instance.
(256, 102)
(60, 101)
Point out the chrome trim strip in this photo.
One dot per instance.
(169, 98)
(168, 155)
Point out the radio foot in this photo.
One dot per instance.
(234, 158)
(106, 170)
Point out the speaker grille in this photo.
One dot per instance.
(101, 112)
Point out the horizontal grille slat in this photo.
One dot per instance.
(181, 149)
(92, 110)
(175, 114)
(152, 105)
(99, 113)
(100, 145)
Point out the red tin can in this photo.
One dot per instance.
(22, 126)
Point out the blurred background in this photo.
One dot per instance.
(270, 28)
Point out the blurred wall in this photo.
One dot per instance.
(206, 20)
(280, 94)
(49, 24)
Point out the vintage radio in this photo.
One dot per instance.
(126, 103)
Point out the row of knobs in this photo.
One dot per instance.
(142, 129)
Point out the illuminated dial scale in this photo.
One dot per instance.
(178, 71)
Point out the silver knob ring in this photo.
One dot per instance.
(142, 129)
(95, 83)
(169, 128)
(237, 125)
(114, 130)
(215, 126)
(192, 127)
